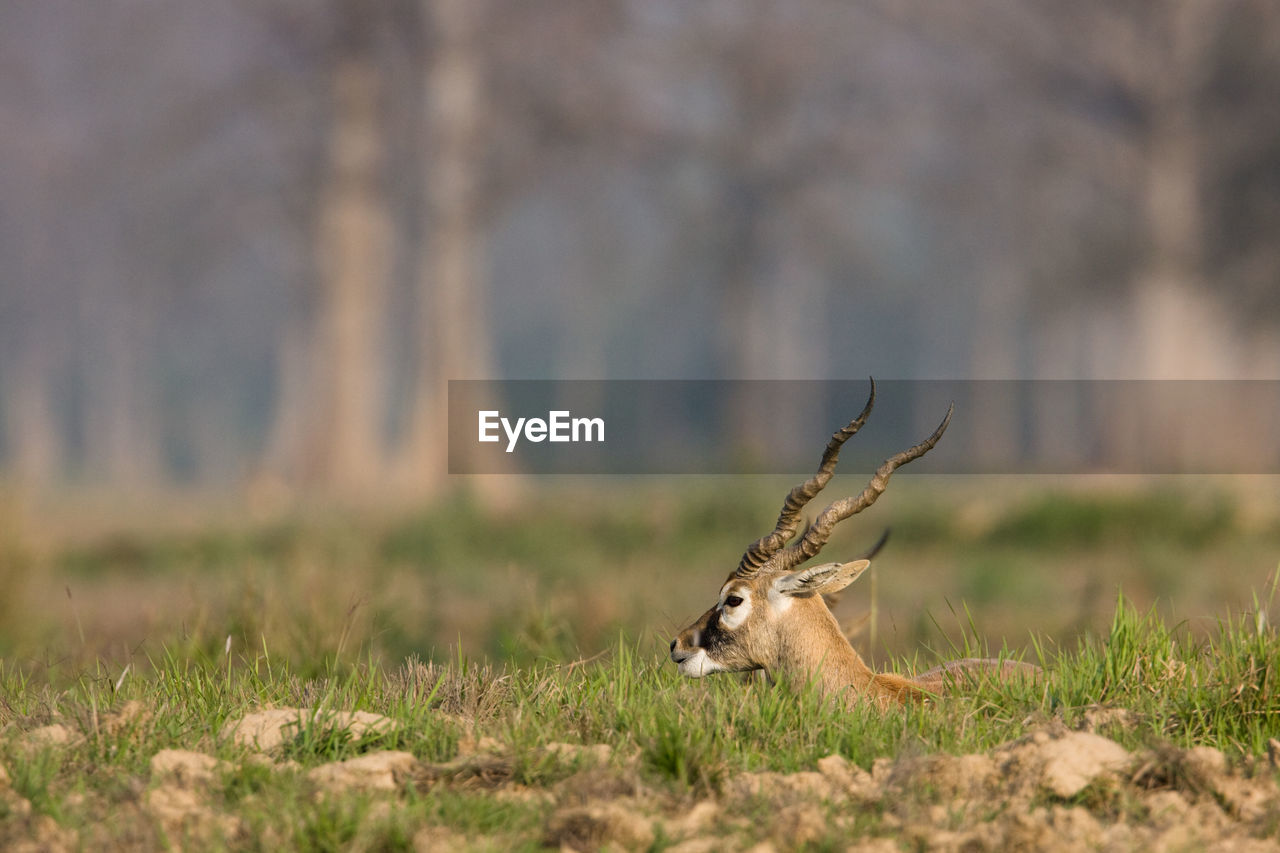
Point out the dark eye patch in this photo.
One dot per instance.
(733, 601)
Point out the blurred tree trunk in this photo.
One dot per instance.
(1182, 328)
(451, 293)
(996, 357)
(283, 459)
(769, 317)
(1182, 333)
(744, 335)
(36, 451)
(353, 240)
(121, 438)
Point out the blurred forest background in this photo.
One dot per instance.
(247, 243)
(253, 239)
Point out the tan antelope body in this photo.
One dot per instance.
(771, 614)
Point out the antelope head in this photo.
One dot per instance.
(770, 612)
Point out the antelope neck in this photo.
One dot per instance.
(820, 652)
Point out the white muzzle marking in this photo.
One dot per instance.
(698, 664)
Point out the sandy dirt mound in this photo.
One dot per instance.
(180, 798)
(1060, 762)
(376, 771)
(11, 801)
(1053, 789)
(54, 734)
(269, 730)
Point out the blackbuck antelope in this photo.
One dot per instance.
(771, 615)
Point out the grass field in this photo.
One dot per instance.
(127, 660)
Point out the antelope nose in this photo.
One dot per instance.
(673, 645)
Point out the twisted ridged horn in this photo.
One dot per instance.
(817, 534)
(759, 552)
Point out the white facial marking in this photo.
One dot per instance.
(732, 616)
(779, 602)
(698, 665)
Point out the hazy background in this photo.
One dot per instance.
(247, 243)
(254, 238)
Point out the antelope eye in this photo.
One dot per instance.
(733, 601)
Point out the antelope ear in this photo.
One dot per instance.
(823, 579)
